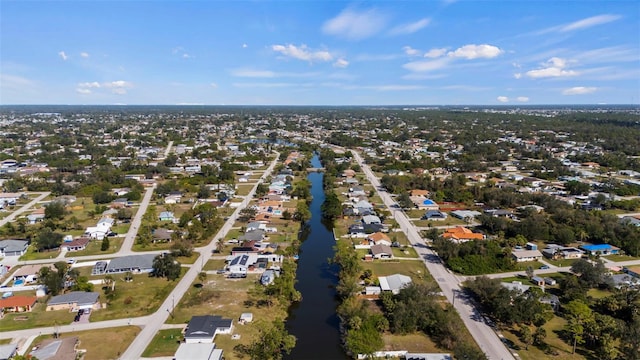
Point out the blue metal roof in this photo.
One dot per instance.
(597, 247)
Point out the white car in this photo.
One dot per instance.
(71, 261)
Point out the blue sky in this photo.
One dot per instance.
(320, 52)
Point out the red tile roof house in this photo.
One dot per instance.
(75, 245)
(17, 304)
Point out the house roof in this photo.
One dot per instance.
(143, 261)
(75, 297)
(394, 282)
(598, 247)
(381, 249)
(17, 301)
(13, 245)
(60, 349)
(205, 326)
(82, 241)
(460, 232)
(198, 351)
(371, 219)
(375, 237)
(419, 192)
(30, 270)
(162, 234)
(8, 350)
(526, 253)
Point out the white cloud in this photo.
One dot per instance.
(410, 51)
(253, 73)
(473, 51)
(517, 75)
(244, 46)
(355, 25)
(214, 85)
(302, 52)
(84, 54)
(410, 28)
(502, 99)
(118, 87)
(589, 22)
(83, 91)
(425, 66)
(522, 99)
(186, 56)
(89, 85)
(435, 53)
(554, 67)
(341, 63)
(579, 90)
(63, 55)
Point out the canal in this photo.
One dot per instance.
(313, 321)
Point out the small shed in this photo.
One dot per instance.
(246, 318)
(538, 280)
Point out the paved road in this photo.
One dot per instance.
(24, 208)
(168, 149)
(129, 239)
(449, 283)
(156, 320)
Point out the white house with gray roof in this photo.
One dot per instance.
(394, 283)
(13, 247)
(135, 263)
(74, 301)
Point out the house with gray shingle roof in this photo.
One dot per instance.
(135, 263)
(13, 247)
(74, 301)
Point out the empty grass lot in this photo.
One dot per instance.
(415, 269)
(562, 349)
(165, 343)
(38, 317)
(100, 344)
(226, 297)
(139, 297)
(94, 246)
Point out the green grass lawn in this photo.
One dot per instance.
(100, 344)
(556, 344)
(35, 255)
(142, 296)
(243, 190)
(93, 248)
(214, 264)
(407, 252)
(524, 265)
(233, 234)
(415, 269)
(165, 343)
(561, 263)
(618, 258)
(38, 317)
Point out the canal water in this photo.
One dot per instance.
(313, 321)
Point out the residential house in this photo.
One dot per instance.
(364, 207)
(188, 351)
(120, 203)
(74, 301)
(379, 238)
(538, 280)
(424, 204)
(57, 349)
(166, 216)
(600, 249)
(465, 214)
(434, 215)
(394, 283)
(371, 219)
(17, 303)
(381, 252)
(75, 245)
(173, 199)
(461, 234)
(134, 263)
(253, 235)
(549, 281)
(161, 235)
(555, 252)
(516, 286)
(526, 255)
(36, 216)
(8, 351)
(419, 193)
(203, 329)
(240, 264)
(29, 273)
(13, 247)
(357, 191)
(631, 220)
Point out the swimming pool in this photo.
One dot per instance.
(18, 282)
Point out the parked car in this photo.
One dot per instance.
(544, 267)
(71, 261)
